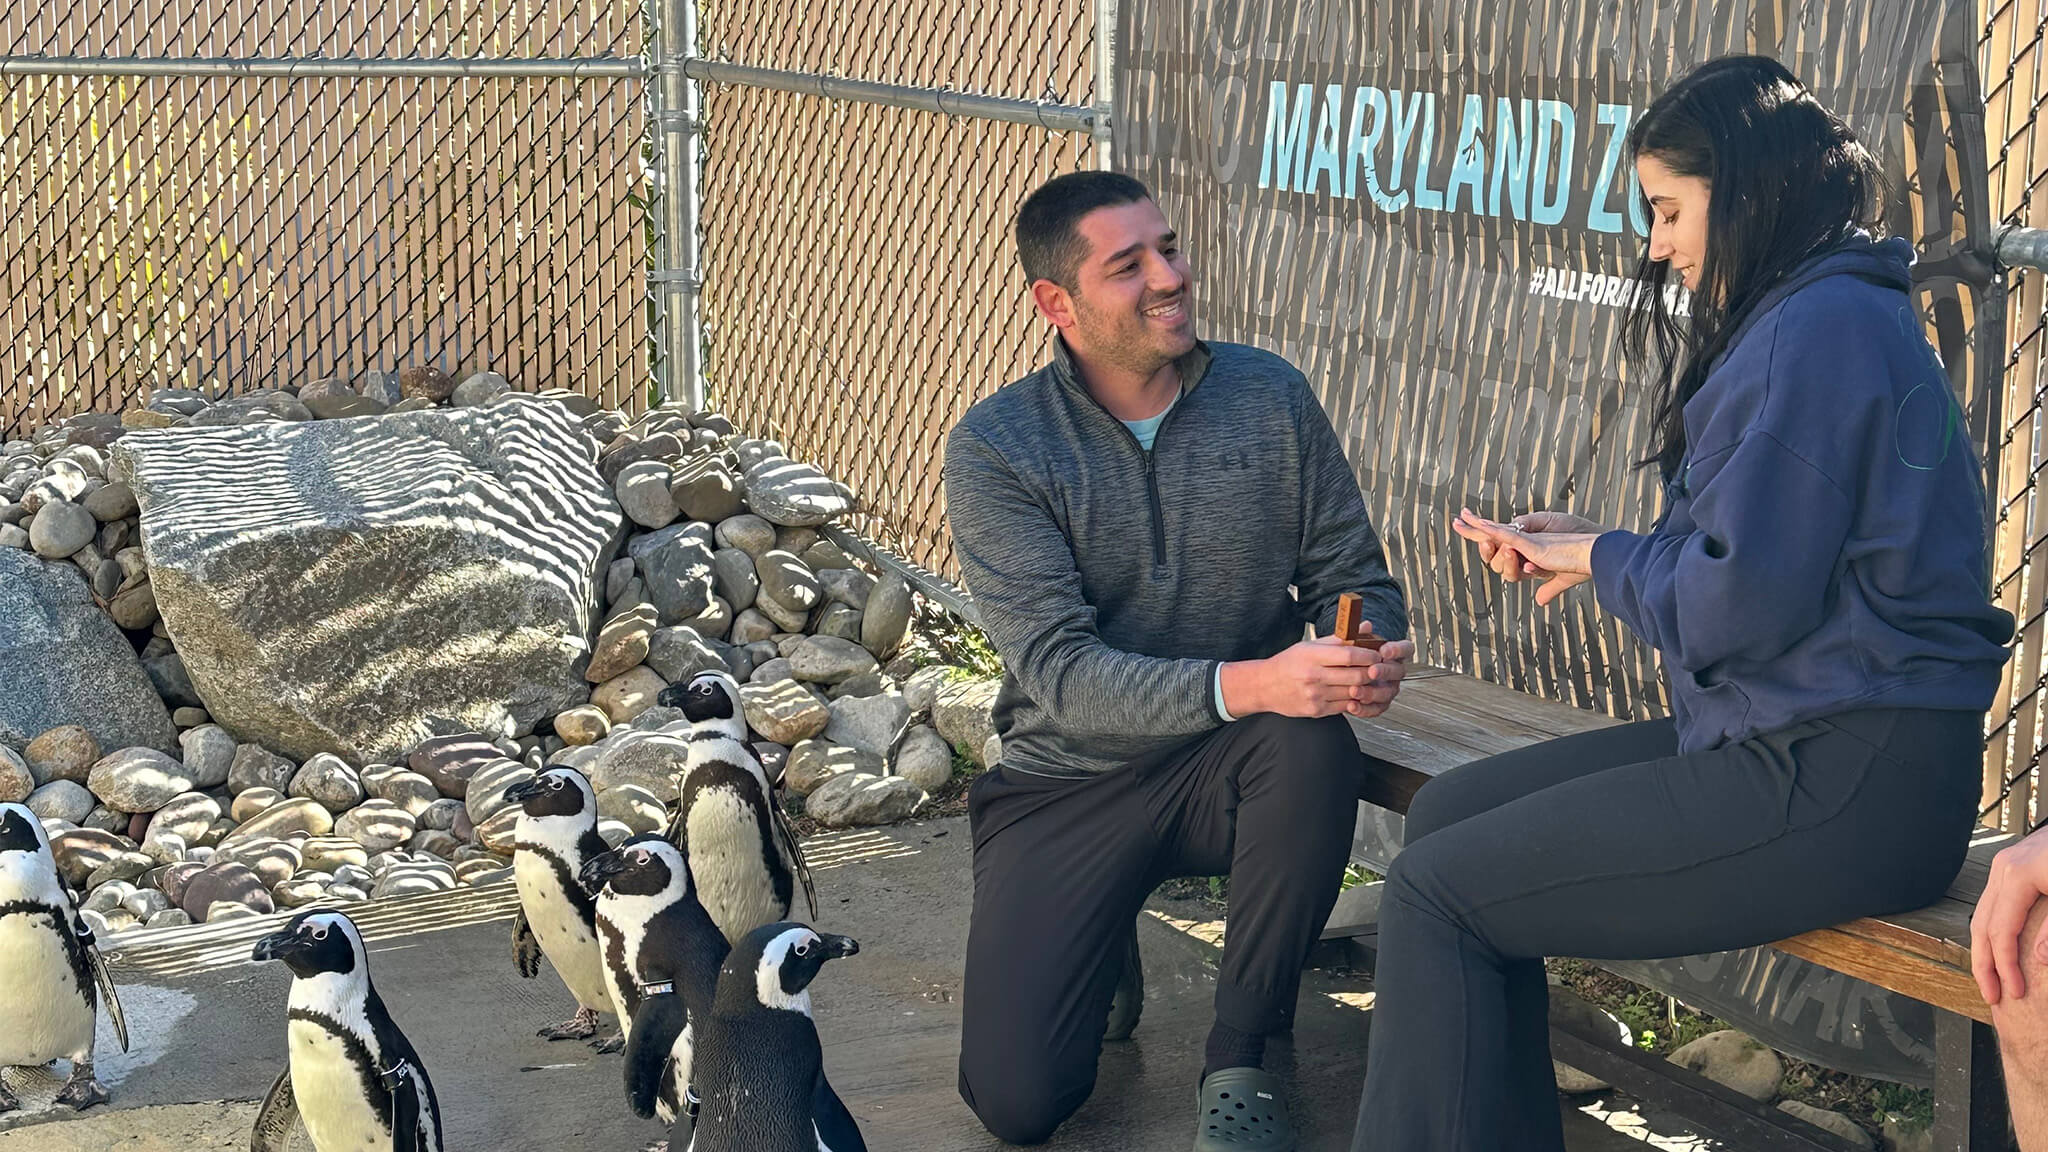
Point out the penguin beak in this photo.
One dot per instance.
(276, 946)
(523, 791)
(599, 869)
(839, 947)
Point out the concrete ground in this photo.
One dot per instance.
(208, 1029)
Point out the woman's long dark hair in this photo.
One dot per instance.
(1786, 180)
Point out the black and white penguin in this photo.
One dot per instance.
(555, 838)
(741, 850)
(353, 1078)
(673, 966)
(759, 1076)
(52, 980)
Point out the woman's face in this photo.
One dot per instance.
(1678, 218)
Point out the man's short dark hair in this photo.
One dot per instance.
(1048, 244)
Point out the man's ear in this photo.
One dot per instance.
(1054, 303)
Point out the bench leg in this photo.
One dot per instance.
(1969, 1088)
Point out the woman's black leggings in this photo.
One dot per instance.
(1611, 845)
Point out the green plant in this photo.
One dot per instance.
(1356, 874)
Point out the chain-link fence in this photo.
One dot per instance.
(230, 194)
(2011, 60)
(861, 291)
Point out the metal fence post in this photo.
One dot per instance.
(675, 274)
(1104, 51)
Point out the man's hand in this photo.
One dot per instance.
(2019, 876)
(1320, 677)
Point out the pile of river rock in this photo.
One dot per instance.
(286, 647)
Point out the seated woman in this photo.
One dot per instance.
(1817, 586)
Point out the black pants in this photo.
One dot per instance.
(1062, 869)
(1610, 845)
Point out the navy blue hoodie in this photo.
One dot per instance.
(1822, 547)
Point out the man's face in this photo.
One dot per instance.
(1134, 306)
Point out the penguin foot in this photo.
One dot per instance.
(8, 1102)
(581, 1026)
(82, 1091)
(610, 1044)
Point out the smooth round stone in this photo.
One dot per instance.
(60, 529)
(772, 671)
(328, 779)
(633, 806)
(107, 896)
(169, 918)
(627, 696)
(885, 619)
(186, 817)
(644, 496)
(471, 872)
(209, 755)
(840, 621)
(166, 849)
(62, 800)
(82, 851)
(257, 767)
(124, 866)
(848, 586)
(299, 893)
(622, 643)
(412, 881)
(174, 878)
(17, 782)
(226, 882)
(830, 659)
(795, 540)
(347, 894)
(299, 815)
(334, 853)
(356, 874)
(377, 825)
(433, 843)
(273, 862)
(487, 790)
(145, 903)
(479, 389)
(440, 816)
(746, 532)
(585, 724)
(409, 790)
(190, 717)
(499, 833)
(221, 911)
(138, 780)
(251, 803)
(66, 753)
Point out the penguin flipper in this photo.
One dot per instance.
(405, 1112)
(88, 942)
(108, 997)
(650, 1039)
(526, 952)
(836, 1130)
(274, 1120)
(797, 863)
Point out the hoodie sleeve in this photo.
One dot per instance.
(1340, 552)
(1753, 573)
(1020, 569)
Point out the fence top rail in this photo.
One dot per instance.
(294, 67)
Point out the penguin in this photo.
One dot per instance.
(759, 1078)
(52, 979)
(556, 836)
(353, 1078)
(674, 968)
(742, 853)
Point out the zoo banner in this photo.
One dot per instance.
(1426, 205)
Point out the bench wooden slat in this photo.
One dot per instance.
(1942, 985)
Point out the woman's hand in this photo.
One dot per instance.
(1554, 546)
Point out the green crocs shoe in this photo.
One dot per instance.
(1243, 1110)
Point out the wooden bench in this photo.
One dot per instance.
(1443, 720)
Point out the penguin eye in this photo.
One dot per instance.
(804, 948)
(320, 933)
(555, 783)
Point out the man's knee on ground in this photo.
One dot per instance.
(1022, 1105)
(2023, 1023)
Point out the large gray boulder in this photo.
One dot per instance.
(354, 587)
(62, 662)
